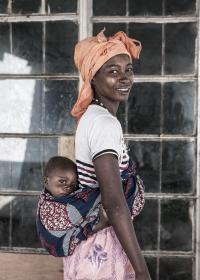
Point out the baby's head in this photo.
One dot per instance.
(60, 176)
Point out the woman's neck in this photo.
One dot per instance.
(111, 106)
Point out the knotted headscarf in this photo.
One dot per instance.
(91, 53)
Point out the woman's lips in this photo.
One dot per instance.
(123, 90)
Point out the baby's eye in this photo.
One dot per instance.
(62, 181)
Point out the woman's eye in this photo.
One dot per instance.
(113, 71)
(130, 69)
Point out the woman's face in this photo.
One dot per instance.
(113, 81)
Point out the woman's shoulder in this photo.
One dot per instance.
(98, 115)
(98, 122)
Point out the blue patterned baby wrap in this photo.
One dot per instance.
(62, 223)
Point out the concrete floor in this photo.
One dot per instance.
(30, 267)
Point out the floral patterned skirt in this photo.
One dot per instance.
(100, 257)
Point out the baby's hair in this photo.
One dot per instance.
(59, 162)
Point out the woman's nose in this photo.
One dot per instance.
(125, 77)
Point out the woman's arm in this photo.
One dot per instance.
(114, 202)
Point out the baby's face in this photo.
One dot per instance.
(61, 182)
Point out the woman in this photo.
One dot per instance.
(105, 65)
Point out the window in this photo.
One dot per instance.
(39, 83)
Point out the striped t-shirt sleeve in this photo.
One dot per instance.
(105, 137)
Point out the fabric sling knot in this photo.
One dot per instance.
(91, 53)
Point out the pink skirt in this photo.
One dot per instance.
(100, 257)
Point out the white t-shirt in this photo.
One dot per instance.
(98, 133)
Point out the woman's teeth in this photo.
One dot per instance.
(123, 90)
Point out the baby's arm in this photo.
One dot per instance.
(103, 220)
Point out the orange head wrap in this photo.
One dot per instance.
(91, 53)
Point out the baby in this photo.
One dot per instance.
(66, 212)
(69, 213)
(61, 179)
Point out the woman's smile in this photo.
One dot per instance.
(123, 90)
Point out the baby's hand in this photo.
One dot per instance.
(103, 220)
